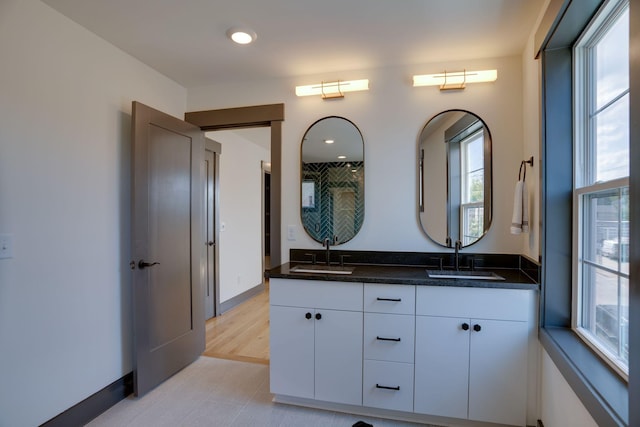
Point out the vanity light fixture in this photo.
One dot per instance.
(329, 141)
(241, 35)
(333, 90)
(342, 157)
(456, 79)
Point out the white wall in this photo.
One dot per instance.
(391, 116)
(560, 407)
(65, 100)
(241, 211)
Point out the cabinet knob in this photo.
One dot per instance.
(477, 328)
(318, 316)
(465, 326)
(308, 315)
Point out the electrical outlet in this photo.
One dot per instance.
(6, 246)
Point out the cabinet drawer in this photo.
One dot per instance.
(388, 385)
(389, 337)
(480, 303)
(382, 298)
(316, 294)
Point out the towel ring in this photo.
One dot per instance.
(522, 176)
(522, 165)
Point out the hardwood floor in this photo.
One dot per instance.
(241, 333)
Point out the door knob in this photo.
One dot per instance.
(318, 316)
(465, 326)
(210, 243)
(477, 328)
(142, 264)
(308, 315)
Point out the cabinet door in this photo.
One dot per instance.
(498, 372)
(292, 351)
(441, 366)
(338, 362)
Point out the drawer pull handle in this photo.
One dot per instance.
(388, 339)
(388, 388)
(390, 299)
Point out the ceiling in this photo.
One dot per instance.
(186, 41)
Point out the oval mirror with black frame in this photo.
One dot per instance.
(454, 150)
(332, 180)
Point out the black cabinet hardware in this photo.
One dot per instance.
(465, 326)
(318, 316)
(308, 315)
(388, 388)
(390, 299)
(142, 264)
(388, 339)
(477, 328)
(210, 243)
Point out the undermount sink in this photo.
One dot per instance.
(469, 275)
(321, 269)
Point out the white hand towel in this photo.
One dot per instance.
(520, 218)
(525, 208)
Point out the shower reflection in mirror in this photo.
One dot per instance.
(332, 180)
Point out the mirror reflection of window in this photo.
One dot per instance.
(472, 183)
(454, 193)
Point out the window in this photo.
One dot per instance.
(601, 184)
(472, 206)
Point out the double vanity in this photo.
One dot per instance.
(443, 338)
(385, 339)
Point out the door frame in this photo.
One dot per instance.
(265, 170)
(270, 115)
(216, 149)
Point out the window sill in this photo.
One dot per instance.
(601, 390)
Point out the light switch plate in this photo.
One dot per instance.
(6, 246)
(291, 232)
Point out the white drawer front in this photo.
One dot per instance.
(388, 385)
(316, 294)
(389, 337)
(382, 298)
(480, 303)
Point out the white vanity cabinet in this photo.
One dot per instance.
(471, 353)
(316, 340)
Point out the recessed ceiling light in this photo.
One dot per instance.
(329, 141)
(241, 35)
(342, 157)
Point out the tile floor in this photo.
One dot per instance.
(216, 392)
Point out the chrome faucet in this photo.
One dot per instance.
(327, 244)
(458, 245)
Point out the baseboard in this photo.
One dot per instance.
(240, 298)
(94, 405)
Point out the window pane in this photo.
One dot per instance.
(473, 168)
(602, 310)
(472, 223)
(612, 62)
(612, 141)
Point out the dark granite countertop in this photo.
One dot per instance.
(407, 275)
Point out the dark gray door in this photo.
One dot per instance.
(167, 241)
